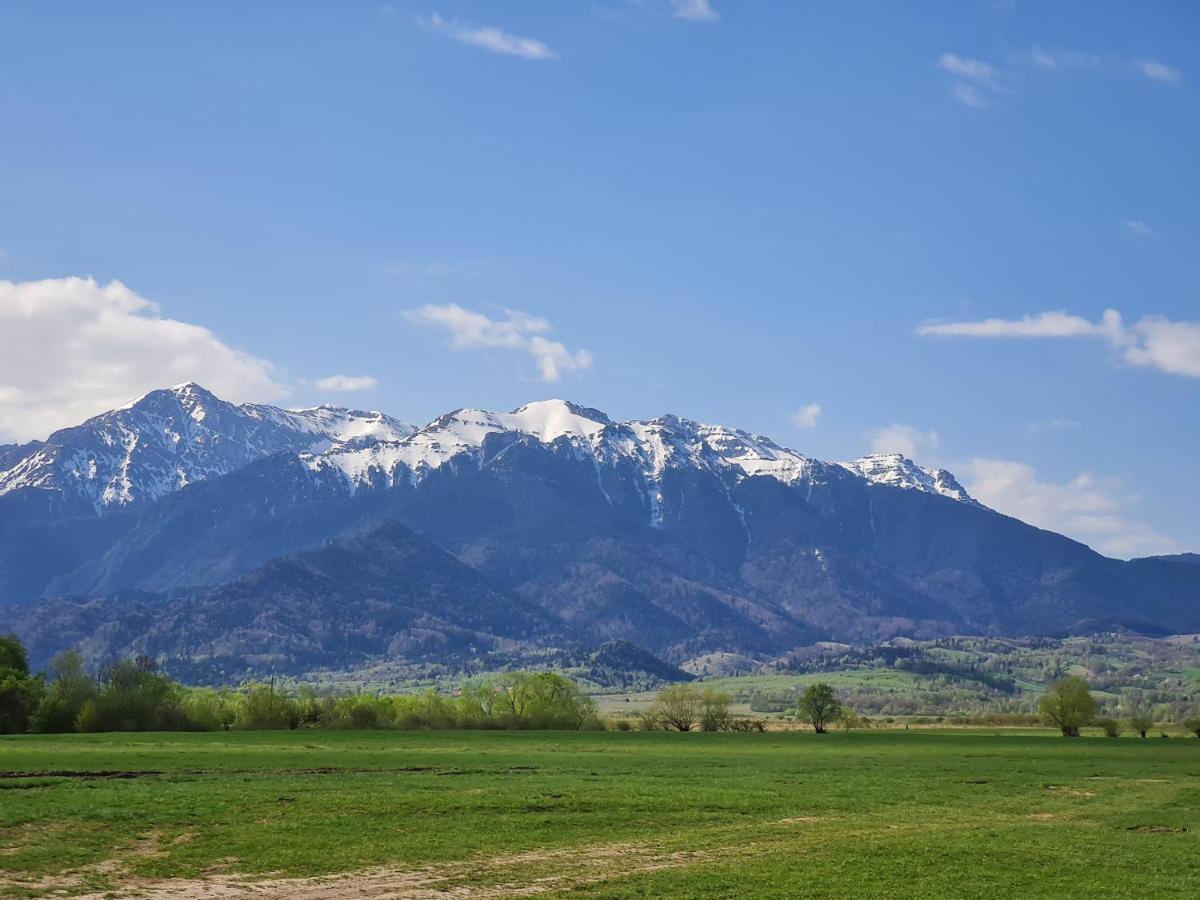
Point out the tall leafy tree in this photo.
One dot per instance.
(1069, 704)
(20, 692)
(820, 706)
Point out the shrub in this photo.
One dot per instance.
(1111, 727)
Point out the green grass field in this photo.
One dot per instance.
(372, 814)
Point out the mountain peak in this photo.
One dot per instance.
(897, 470)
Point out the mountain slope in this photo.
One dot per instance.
(681, 537)
(384, 591)
(169, 439)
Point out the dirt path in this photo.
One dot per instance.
(524, 874)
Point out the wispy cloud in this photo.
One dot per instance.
(1086, 508)
(1152, 341)
(1157, 71)
(1060, 59)
(694, 10)
(346, 383)
(517, 331)
(977, 79)
(1138, 227)
(904, 439)
(973, 69)
(488, 38)
(807, 415)
(969, 95)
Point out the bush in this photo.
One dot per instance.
(1193, 725)
(260, 707)
(1110, 727)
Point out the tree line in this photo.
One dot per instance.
(133, 695)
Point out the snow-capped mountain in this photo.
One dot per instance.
(683, 537)
(647, 448)
(896, 470)
(174, 437)
(171, 438)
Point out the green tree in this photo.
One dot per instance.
(66, 696)
(136, 697)
(1068, 704)
(714, 710)
(262, 707)
(677, 707)
(1110, 726)
(1141, 723)
(20, 692)
(819, 705)
(848, 719)
(1192, 725)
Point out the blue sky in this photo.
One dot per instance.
(733, 211)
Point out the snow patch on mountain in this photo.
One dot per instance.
(896, 470)
(170, 438)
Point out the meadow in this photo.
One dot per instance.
(332, 813)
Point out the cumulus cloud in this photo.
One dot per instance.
(1154, 341)
(346, 383)
(71, 348)
(694, 10)
(488, 38)
(1156, 71)
(517, 331)
(1085, 508)
(903, 439)
(807, 415)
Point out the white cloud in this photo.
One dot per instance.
(488, 38)
(1140, 228)
(346, 383)
(976, 74)
(1047, 324)
(1159, 72)
(972, 69)
(1165, 345)
(1153, 341)
(1085, 508)
(694, 10)
(71, 348)
(903, 439)
(969, 95)
(518, 331)
(807, 415)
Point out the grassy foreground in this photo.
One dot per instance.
(598, 814)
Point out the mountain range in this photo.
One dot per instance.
(244, 538)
